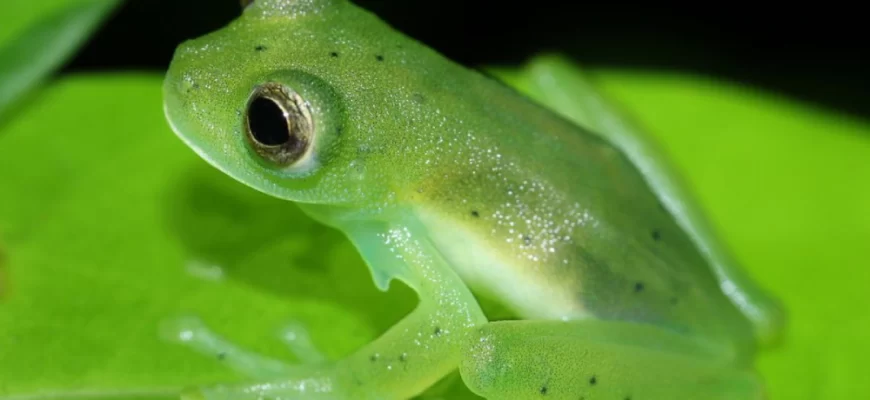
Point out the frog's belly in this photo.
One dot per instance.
(529, 290)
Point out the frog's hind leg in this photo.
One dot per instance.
(598, 360)
(560, 85)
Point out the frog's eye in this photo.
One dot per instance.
(278, 124)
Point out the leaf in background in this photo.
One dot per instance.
(37, 37)
(110, 225)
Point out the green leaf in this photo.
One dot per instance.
(38, 37)
(109, 226)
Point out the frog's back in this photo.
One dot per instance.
(558, 223)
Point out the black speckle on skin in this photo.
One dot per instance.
(260, 47)
(593, 380)
(475, 214)
(638, 287)
(221, 356)
(333, 54)
(374, 357)
(403, 357)
(418, 98)
(527, 240)
(194, 86)
(379, 57)
(656, 235)
(437, 331)
(544, 390)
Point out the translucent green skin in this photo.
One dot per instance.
(451, 182)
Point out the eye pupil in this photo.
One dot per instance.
(268, 122)
(278, 124)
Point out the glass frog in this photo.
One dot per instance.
(462, 188)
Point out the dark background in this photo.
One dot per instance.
(817, 53)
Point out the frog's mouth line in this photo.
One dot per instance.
(177, 131)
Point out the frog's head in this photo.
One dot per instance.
(300, 99)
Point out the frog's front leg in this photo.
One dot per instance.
(404, 361)
(594, 359)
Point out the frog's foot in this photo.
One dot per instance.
(269, 375)
(193, 333)
(598, 360)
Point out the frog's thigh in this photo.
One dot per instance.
(405, 360)
(594, 360)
